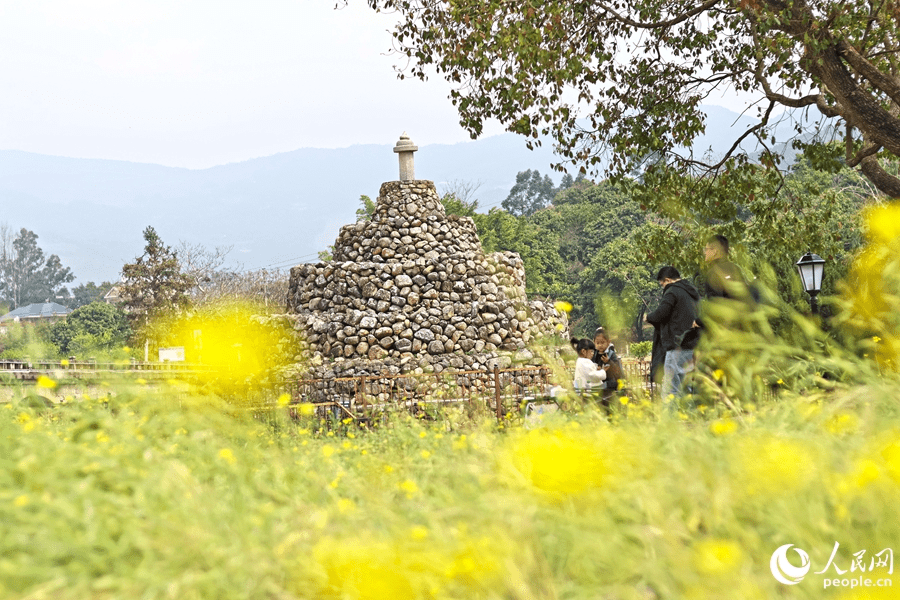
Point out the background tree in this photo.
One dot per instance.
(594, 225)
(623, 81)
(26, 276)
(25, 340)
(459, 198)
(530, 194)
(95, 327)
(86, 293)
(500, 231)
(154, 285)
(199, 262)
(366, 208)
(600, 245)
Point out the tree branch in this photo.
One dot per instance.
(884, 181)
(863, 67)
(767, 89)
(863, 154)
(660, 24)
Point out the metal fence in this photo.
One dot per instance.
(30, 370)
(499, 389)
(353, 397)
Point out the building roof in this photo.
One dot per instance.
(43, 310)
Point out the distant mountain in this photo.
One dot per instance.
(276, 211)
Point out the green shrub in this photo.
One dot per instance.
(640, 349)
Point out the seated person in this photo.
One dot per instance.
(588, 375)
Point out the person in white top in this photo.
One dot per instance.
(588, 375)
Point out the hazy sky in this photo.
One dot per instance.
(196, 83)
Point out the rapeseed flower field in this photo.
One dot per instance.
(156, 491)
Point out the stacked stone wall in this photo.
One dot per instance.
(412, 288)
(409, 223)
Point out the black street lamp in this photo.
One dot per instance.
(811, 266)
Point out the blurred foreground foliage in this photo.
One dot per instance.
(160, 491)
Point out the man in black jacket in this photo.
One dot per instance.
(675, 316)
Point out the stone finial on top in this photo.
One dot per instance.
(405, 148)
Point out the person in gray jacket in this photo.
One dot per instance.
(675, 316)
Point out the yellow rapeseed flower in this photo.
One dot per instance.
(891, 456)
(64, 362)
(27, 423)
(45, 382)
(21, 501)
(884, 222)
(327, 450)
(559, 462)
(717, 556)
(227, 455)
(718, 374)
(418, 532)
(723, 427)
(409, 487)
(364, 570)
(562, 306)
(865, 472)
(425, 454)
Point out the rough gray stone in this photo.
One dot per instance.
(425, 335)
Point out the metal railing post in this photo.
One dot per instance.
(497, 393)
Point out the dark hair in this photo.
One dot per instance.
(582, 344)
(601, 331)
(719, 240)
(668, 272)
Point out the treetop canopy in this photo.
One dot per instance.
(624, 81)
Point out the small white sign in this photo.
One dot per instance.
(173, 354)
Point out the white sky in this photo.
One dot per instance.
(196, 83)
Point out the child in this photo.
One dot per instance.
(606, 357)
(587, 374)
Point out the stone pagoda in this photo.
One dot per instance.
(412, 289)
